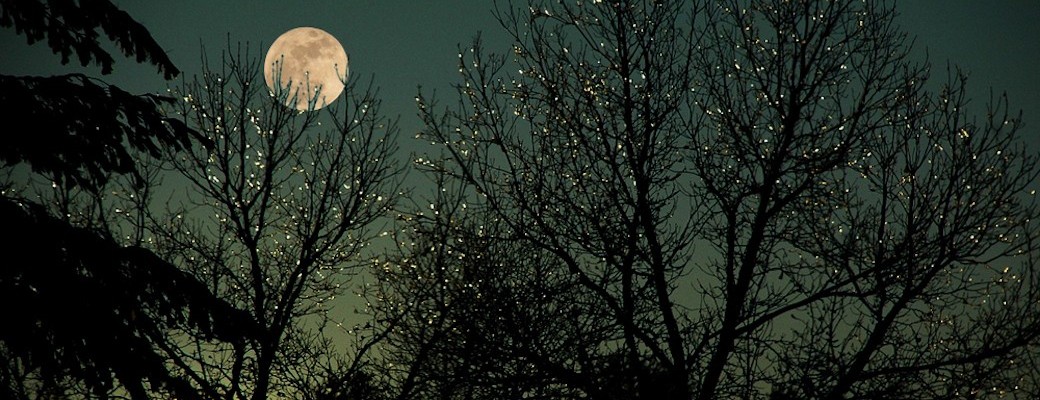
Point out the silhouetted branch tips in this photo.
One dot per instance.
(91, 309)
(72, 28)
(84, 130)
(707, 200)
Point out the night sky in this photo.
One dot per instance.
(402, 45)
(406, 44)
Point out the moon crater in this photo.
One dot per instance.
(306, 66)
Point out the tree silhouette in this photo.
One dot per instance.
(93, 310)
(735, 199)
(84, 311)
(80, 124)
(273, 217)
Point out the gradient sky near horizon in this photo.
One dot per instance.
(404, 44)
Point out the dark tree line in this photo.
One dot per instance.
(638, 199)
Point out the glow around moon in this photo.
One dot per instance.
(305, 63)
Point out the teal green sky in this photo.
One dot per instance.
(404, 44)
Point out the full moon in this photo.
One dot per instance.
(306, 65)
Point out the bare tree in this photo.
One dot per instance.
(457, 291)
(852, 199)
(714, 200)
(274, 218)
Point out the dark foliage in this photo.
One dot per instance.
(71, 26)
(78, 128)
(356, 386)
(90, 309)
